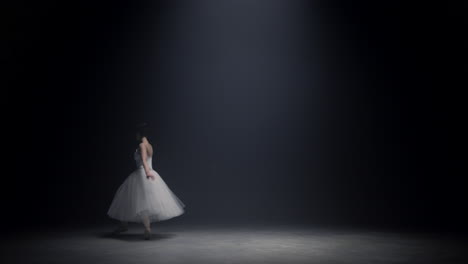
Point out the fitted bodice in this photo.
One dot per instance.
(139, 161)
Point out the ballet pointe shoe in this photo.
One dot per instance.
(147, 234)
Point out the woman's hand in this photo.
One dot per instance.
(151, 175)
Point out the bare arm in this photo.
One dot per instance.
(144, 156)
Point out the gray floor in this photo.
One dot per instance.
(204, 244)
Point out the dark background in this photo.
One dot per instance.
(371, 134)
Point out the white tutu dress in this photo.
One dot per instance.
(139, 196)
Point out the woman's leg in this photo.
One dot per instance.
(146, 222)
(121, 228)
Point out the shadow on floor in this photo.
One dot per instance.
(134, 236)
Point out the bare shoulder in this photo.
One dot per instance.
(142, 146)
(150, 148)
(147, 148)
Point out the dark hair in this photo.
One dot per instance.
(142, 129)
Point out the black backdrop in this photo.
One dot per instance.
(386, 150)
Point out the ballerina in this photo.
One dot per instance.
(144, 197)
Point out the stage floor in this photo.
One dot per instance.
(218, 244)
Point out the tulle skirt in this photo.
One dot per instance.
(139, 196)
